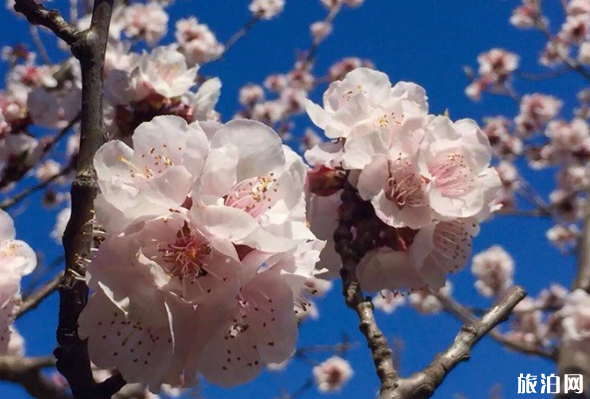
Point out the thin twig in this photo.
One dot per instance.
(32, 301)
(46, 149)
(39, 44)
(464, 315)
(10, 202)
(237, 36)
(27, 372)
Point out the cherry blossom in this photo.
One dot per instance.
(575, 319)
(493, 269)
(164, 71)
(147, 21)
(196, 41)
(266, 9)
(388, 301)
(17, 259)
(154, 176)
(426, 302)
(260, 189)
(456, 157)
(332, 374)
(362, 100)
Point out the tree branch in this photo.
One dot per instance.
(27, 372)
(351, 249)
(89, 48)
(10, 202)
(33, 300)
(422, 385)
(466, 316)
(570, 360)
(351, 253)
(37, 14)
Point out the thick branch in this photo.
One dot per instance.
(72, 353)
(37, 14)
(27, 372)
(422, 385)
(33, 300)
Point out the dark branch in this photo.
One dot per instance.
(37, 14)
(72, 352)
(351, 253)
(27, 372)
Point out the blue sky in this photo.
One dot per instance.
(424, 41)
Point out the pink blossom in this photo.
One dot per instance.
(339, 70)
(320, 30)
(426, 302)
(151, 178)
(55, 108)
(256, 185)
(584, 53)
(332, 374)
(365, 100)
(388, 301)
(575, 29)
(526, 15)
(251, 94)
(266, 9)
(455, 158)
(497, 64)
(563, 237)
(146, 21)
(535, 111)
(61, 222)
(575, 319)
(17, 259)
(493, 269)
(578, 7)
(164, 71)
(196, 41)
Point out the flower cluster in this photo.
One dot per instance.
(208, 221)
(428, 179)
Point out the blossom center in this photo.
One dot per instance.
(187, 256)
(404, 186)
(254, 195)
(453, 175)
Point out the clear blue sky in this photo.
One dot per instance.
(424, 41)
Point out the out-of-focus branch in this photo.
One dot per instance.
(27, 372)
(423, 384)
(33, 300)
(37, 14)
(47, 148)
(533, 213)
(10, 202)
(570, 360)
(466, 316)
(238, 35)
